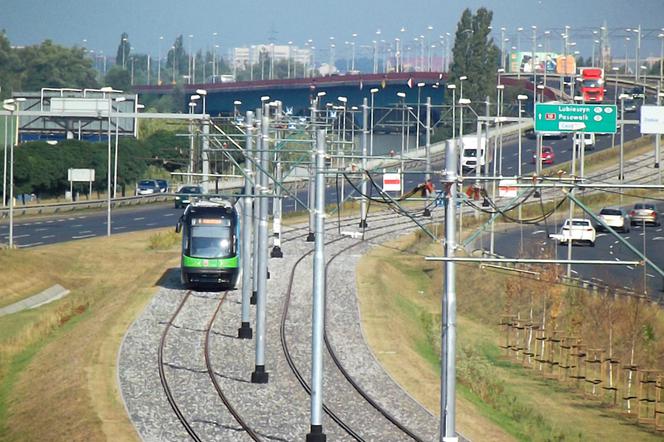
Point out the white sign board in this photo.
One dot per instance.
(508, 188)
(392, 182)
(66, 104)
(652, 119)
(83, 175)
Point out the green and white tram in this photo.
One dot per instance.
(210, 244)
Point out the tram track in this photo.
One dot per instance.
(366, 396)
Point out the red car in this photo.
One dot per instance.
(547, 155)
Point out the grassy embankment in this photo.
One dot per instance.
(57, 362)
(400, 304)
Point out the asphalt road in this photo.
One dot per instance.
(536, 240)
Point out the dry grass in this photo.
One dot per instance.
(58, 361)
(497, 399)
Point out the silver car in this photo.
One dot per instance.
(614, 217)
(644, 212)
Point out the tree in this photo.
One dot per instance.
(475, 55)
(118, 78)
(51, 65)
(124, 48)
(9, 67)
(177, 60)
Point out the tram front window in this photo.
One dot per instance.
(210, 241)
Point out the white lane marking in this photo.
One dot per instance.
(630, 267)
(169, 214)
(41, 229)
(20, 246)
(83, 232)
(21, 236)
(139, 218)
(610, 252)
(119, 228)
(599, 235)
(563, 151)
(627, 237)
(658, 238)
(39, 222)
(650, 275)
(61, 220)
(47, 236)
(658, 230)
(575, 272)
(50, 222)
(82, 217)
(151, 224)
(616, 259)
(77, 225)
(510, 168)
(538, 231)
(82, 236)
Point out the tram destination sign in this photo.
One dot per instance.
(560, 117)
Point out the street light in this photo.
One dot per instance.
(417, 135)
(161, 39)
(115, 166)
(202, 93)
(236, 108)
(622, 98)
(109, 90)
(7, 105)
(402, 95)
(371, 134)
(521, 98)
(462, 79)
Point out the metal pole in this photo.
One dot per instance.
(245, 332)
(276, 201)
(417, 132)
(657, 136)
(4, 168)
(427, 150)
(257, 209)
(205, 142)
(312, 160)
(372, 126)
(621, 174)
(108, 187)
(115, 159)
(11, 179)
(571, 205)
(318, 309)
(259, 375)
(363, 201)
(448, 329)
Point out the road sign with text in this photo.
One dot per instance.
(592, 118)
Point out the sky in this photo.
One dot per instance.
(97, 24)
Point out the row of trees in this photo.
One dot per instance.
(41, 168)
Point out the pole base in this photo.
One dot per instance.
(311, 237)
(363, 224)
(536, 194)
(426, 212)
(656, 165)
(254, 296)
(316, 434)
(244, 332)
(276, 252)
(259, 376)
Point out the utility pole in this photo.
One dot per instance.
(318, 309)
(365, 129)
(245, 332)
(448, 329)
(259, 375)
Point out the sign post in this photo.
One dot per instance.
(590, 118)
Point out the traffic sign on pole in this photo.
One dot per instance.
(591, 118)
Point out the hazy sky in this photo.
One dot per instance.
(238, 23)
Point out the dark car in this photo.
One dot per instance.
(629, 105)
(147, 187)
(638, 92)
(163, 185)
(186, 194)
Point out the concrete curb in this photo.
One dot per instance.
(49, 295)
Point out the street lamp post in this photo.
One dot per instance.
(371, 134)
(115, 165)
(417, 132)
(622, 98)
(202, 93)
(161, 39)
(402, 95)
(521, 98)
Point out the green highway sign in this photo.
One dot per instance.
(560, 117)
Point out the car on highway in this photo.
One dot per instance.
(615, 217)
(644, 212)
(548, 155)
(638, 92)
(628, 105)
(186, 193)
(163, 185)
(576, 230)
(147, 187)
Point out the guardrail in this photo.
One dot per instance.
(51, 208)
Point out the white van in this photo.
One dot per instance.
(588, 140)
(470, 154)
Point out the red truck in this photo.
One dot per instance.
(592, 85)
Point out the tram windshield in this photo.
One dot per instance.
(210, 241)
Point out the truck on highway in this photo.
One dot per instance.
(471, 155)
(592, 84)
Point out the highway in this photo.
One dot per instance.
(31, 232)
